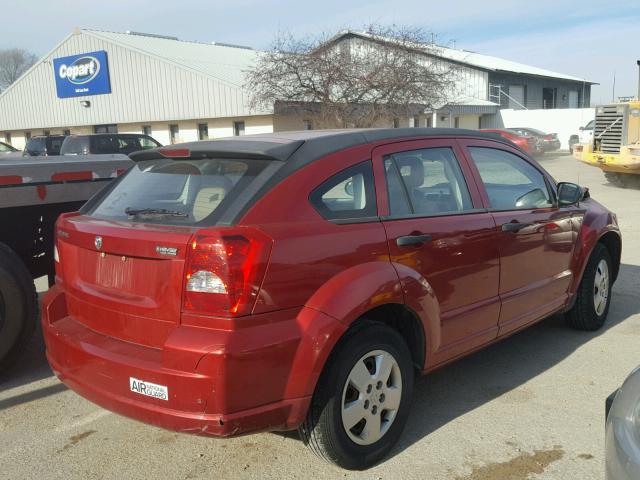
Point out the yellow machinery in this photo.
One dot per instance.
(615, 146)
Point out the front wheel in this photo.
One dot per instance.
(362, 400)
(594, 293)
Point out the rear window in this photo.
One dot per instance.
(178, 192)
(75, 146)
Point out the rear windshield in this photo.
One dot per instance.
(75, 146)
(178, 192)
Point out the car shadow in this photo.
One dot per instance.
(463, 386)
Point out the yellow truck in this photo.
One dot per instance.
(615, 146)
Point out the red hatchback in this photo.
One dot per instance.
(300, 280)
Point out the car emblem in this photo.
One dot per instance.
(98, 242)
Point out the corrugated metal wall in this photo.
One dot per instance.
(143, 88)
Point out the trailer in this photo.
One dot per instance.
(34, 191)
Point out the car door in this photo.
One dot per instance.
(440, 237)
(536, 237)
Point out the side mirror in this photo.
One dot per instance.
(581, 128)
(569, 193)
(348, 188)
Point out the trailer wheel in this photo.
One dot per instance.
(18, 307)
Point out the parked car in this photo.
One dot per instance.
(586, 132)
(299, 280)
(622, 437)
(105, 143)
(549, 142)
(6, 148)
(43, 146)
(527, 143)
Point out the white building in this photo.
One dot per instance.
(176, 91)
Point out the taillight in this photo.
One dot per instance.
(224, 271)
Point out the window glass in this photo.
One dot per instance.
(147, 143)
(178, 192)
(510, 181)
(348, 194)
(431, 179)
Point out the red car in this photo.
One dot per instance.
(299, 280)
(528, 143)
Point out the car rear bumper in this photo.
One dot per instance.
(213, 388)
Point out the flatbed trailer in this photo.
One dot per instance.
(34, 191)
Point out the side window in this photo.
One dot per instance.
(427, 182)
(510, 181)
(348, 194)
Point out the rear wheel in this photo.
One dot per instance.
(18, 307)
(594, 293)
(363, 398)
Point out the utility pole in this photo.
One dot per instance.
(613, 90)
(638, 62)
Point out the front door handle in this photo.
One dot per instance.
(409, 240)
(514, 226)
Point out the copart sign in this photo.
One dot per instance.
(80, 75)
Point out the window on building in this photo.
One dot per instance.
(66, 132)
(456, 122)
(430, 121)
(27, 135)
(396, 123)
(105, 129)
(146, 130)
(573, 99)
(7, 138)
(307, 125)
(203, 131)
(549, 97)
(174, 131)
(416, 122)
(46, 133)
(238, 129)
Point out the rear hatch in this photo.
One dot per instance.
(122, 260)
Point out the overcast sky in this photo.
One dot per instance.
(576, 38)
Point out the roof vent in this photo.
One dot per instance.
(231, 45)
(152, 35)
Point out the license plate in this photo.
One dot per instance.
(148, 389)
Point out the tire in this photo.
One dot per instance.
(323, 430)
(18, 307)
(585, 314)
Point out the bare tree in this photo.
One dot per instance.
(13, 63)
(353, 80)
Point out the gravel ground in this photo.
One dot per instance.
(531, 407)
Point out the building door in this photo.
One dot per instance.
(549, 98)
(105, 129)
(573, 99)
(516, 96)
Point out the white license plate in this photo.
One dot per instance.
(148, 389)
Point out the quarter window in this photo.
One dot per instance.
(348, 194)
(426, 182)
(511, 182)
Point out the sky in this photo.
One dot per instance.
(577, 38)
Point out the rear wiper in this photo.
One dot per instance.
(135, 212)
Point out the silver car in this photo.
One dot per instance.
(623, 431)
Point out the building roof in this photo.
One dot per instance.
(472, 59)
(223, 62)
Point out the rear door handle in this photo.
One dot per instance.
(514, 226)
(409, 240)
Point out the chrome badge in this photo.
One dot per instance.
(166, 250)
(98, 242)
